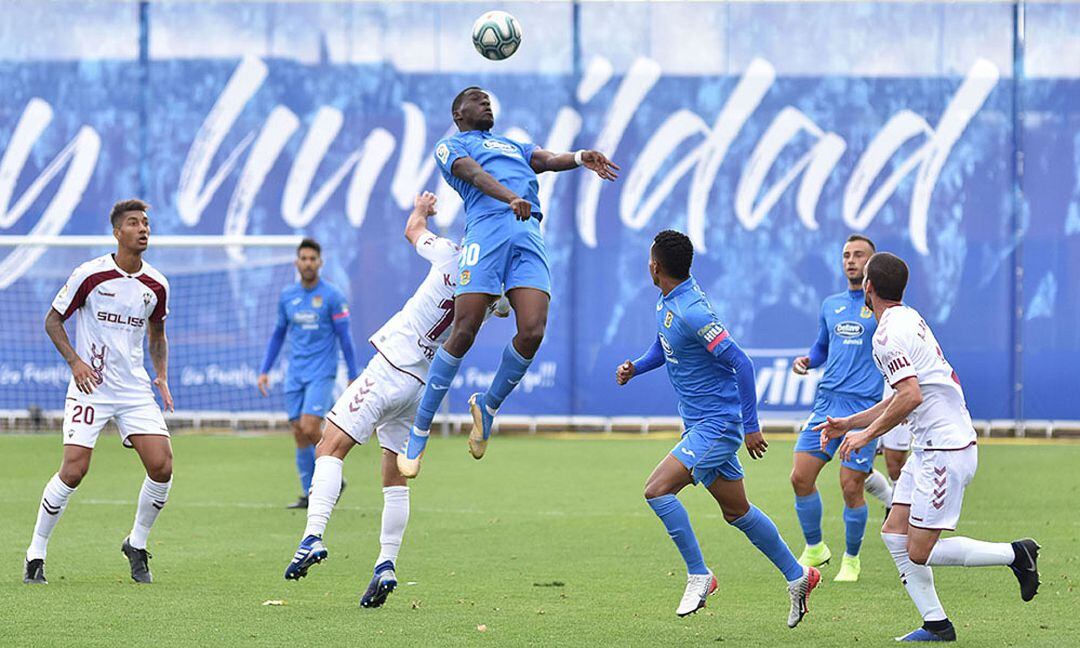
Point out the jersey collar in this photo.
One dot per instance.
(112, 262)
(681, 288)
(856, 294)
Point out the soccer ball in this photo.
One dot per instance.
(496, 35)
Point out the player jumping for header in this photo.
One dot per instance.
(119, 300)
(503, 251)
(714, 380)
(849, 384)
(928, 496)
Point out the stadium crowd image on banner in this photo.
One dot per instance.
(387, 281)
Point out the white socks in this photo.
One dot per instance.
(325, 489)
(152, 498)
(395, 516)
(917, 579)
(959, 551)
(54, 500)
(879, 487)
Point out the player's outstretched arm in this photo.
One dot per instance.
(595, 161)
(648, 361)
(85, 380)
(469, 170)
(158, 345)
(423, 209)
(899, 406)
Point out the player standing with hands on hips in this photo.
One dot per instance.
(928, 496)
(503, 251)
(118, 300)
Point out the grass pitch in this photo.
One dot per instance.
(547, 541)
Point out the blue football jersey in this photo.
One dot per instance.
(692, 336)
(505, 159)
(849, 326)
(310, 316)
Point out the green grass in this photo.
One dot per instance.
(546, 542)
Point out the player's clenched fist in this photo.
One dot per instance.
(425, 202)
(624, 373)
(522, 208)
(801, 365)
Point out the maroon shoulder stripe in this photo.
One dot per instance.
(86, 287)
(159, 290)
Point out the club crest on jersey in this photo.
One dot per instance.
(866, 313)
(316, 301)
(146, 297)
(668, 319)
(465, 277)
(443, 153)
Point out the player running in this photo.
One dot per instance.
(383, 400)
(849, 384)
(929, 494)
(714, 380)
(116, 299)
(503, 251)
(315, 315)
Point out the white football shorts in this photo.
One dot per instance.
(382, 400)
(84, 419)
(932, 483)
(898, 438)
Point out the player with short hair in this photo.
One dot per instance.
(850, 383)
(928, 496)
(315, 315)
(714, 380)
(383, 401)
(119, 300)
(502, 252)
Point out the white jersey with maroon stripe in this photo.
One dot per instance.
(112, 309)
(905, 347)
(409, 339)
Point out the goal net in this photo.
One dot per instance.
(223, 306)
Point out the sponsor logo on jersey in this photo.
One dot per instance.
(63, 292)
(710, 331)
(117, 318)
(104, 293)
(898, 363)
(305, 317)
(465, 278)
(443, 153)
(660, 305)
(502, 147)
(668, 351)
(316, 301)
(849, 329)
(866, 313)
(668, 319)
(840, 310)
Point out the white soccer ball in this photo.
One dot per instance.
(496, 35)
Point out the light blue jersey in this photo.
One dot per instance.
(498, 252)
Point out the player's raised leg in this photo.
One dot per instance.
(804, 473)
(668, 478)
(54, 500)
(530, 310)
(326, 482)
(155, 451)
(726, 486)
(395, 517)
(469, 311)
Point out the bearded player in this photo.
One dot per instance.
(928, 496)
(118, 300)
(850, 383)
(383, 401)
(503, 251)
(714, 380)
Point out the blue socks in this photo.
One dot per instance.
(808, 508)
(443, 369)
(673, 514)
(510, 372)
(763, 533)
(305, 465)
(855, 527)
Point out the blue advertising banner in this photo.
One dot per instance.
(760, 133)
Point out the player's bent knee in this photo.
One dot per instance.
(72, 476)
(334, 442)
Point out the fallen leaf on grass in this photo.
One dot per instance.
(274, 602)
